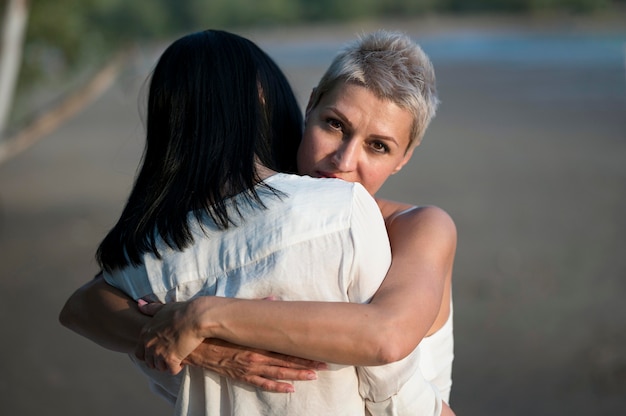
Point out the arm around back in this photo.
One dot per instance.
(105, 315)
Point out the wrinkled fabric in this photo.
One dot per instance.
(322, 240)
(437, 356)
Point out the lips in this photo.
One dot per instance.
(321, 174)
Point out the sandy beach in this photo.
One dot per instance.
(527, 153)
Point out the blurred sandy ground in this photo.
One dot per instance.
(528, 155)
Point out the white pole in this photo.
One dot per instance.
(14, 27)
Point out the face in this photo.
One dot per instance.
(352, 135)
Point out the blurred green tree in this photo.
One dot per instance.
(66, 36)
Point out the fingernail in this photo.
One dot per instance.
(311, 376)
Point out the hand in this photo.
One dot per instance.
(169, 337)
(258, 368)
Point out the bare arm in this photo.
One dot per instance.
(110, 318)
(383, 331)
(105, 315)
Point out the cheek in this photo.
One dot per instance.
(315, 144)
(307, 155)
(374, 177)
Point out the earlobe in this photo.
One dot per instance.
(404, 161)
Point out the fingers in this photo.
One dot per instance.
(269, 385)
(158, 362)
(172, 366)
(149, 309)
(289, 361)
(147, 351)
(282, 373)
(270, 381)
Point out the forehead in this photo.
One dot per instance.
(364, 110)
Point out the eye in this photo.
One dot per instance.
(379, 147)
(334, 123)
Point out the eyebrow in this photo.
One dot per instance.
(342, 115)
(376, 136)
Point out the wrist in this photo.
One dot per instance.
(203, 311)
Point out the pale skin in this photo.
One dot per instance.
(352, 135)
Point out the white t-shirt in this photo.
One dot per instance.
(320, 240)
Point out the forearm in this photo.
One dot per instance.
(104, 315)
(383, 331)
(345, 333)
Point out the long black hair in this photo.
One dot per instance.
(217, 103)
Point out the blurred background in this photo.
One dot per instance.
(527, 153)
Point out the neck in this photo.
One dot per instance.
(263, 171)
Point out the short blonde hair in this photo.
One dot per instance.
(394, 68)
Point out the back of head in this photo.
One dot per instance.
(217, 105)
(394, 68)
(220, 95)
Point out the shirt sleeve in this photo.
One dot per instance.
(399, 389)
(131, 280)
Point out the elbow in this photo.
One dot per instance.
(66, 316)
(390, 346)
(70, 317)
(388, 338)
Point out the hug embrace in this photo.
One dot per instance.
(252, 231)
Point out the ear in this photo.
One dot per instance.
(403, 162)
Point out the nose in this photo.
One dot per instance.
(346, 156)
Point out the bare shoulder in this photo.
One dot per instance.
(427, 221)
(428, 213)
(424, 222)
